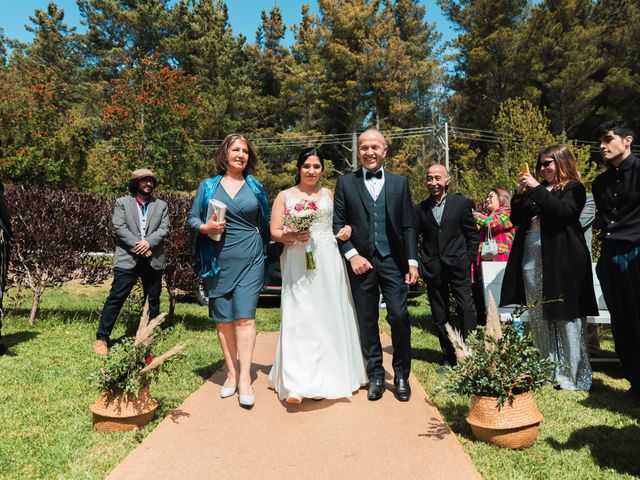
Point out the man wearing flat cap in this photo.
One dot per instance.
(141, 223)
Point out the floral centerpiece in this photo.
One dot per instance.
(300, 218)
(125, 401)
(499, 367)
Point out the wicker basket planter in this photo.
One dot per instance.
(515, 425)
(120, 412)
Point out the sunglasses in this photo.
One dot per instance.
(546, 163)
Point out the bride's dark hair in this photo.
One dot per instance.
(304, 154)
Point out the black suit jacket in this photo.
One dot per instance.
(452, 245)
(351, 207)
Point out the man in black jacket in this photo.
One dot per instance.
(617, 196)
(449, 246)
(5, 237)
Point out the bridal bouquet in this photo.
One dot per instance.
(300, 218)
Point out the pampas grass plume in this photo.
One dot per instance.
(494, 327)
(160, 359)
(146, 327)
(461, 349)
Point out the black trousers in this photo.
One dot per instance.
(477, 289)
(387, 278)
(619, 272)
(123, 281)
(439, 291)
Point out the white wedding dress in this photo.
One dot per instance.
(318, 353)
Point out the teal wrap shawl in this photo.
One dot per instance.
(203, 250)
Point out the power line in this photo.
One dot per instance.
(460, 133)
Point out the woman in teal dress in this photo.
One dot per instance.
(232, 268)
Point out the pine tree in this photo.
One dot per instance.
(121, 32)
(3, 48)
(619, 47)
(344, 28)
(271, 62)
(54, 44)
(303, 83)
(421, 40)
(565, 61)
(206, 47)
(489, 67)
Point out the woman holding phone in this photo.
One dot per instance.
(549, 265)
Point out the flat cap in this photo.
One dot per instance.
(142, 173)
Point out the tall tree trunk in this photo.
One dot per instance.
(173, 299)
(37, 294)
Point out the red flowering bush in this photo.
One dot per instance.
(152, 118)
(31, 118)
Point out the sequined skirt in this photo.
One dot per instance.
(562, 341)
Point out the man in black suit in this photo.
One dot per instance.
(382, 254)
(449, 246)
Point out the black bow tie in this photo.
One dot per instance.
(369, 175)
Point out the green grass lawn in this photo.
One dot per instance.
(45, 422)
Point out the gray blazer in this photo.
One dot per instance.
(126, 225)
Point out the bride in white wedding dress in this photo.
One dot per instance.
(318, 353)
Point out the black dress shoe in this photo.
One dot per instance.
(442, 369)
(403, 390)
(376, 389)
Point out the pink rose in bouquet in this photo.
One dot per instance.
(300, 218)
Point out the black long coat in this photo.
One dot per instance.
(566, 264)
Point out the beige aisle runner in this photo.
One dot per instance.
(208, 437)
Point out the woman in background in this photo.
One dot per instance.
(550, 263)
(233, 267)
(496, 220)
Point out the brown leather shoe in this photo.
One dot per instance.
(100, 347)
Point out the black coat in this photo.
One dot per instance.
(450, 246)
(351, 208)
(566, 264)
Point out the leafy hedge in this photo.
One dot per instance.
(59, 236)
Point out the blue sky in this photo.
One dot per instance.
(244, 15)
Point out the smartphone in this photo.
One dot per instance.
(524, 168)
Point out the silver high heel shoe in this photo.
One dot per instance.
(246, 401)
(227, 391)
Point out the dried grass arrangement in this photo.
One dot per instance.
(130, 364)
(493, 358)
